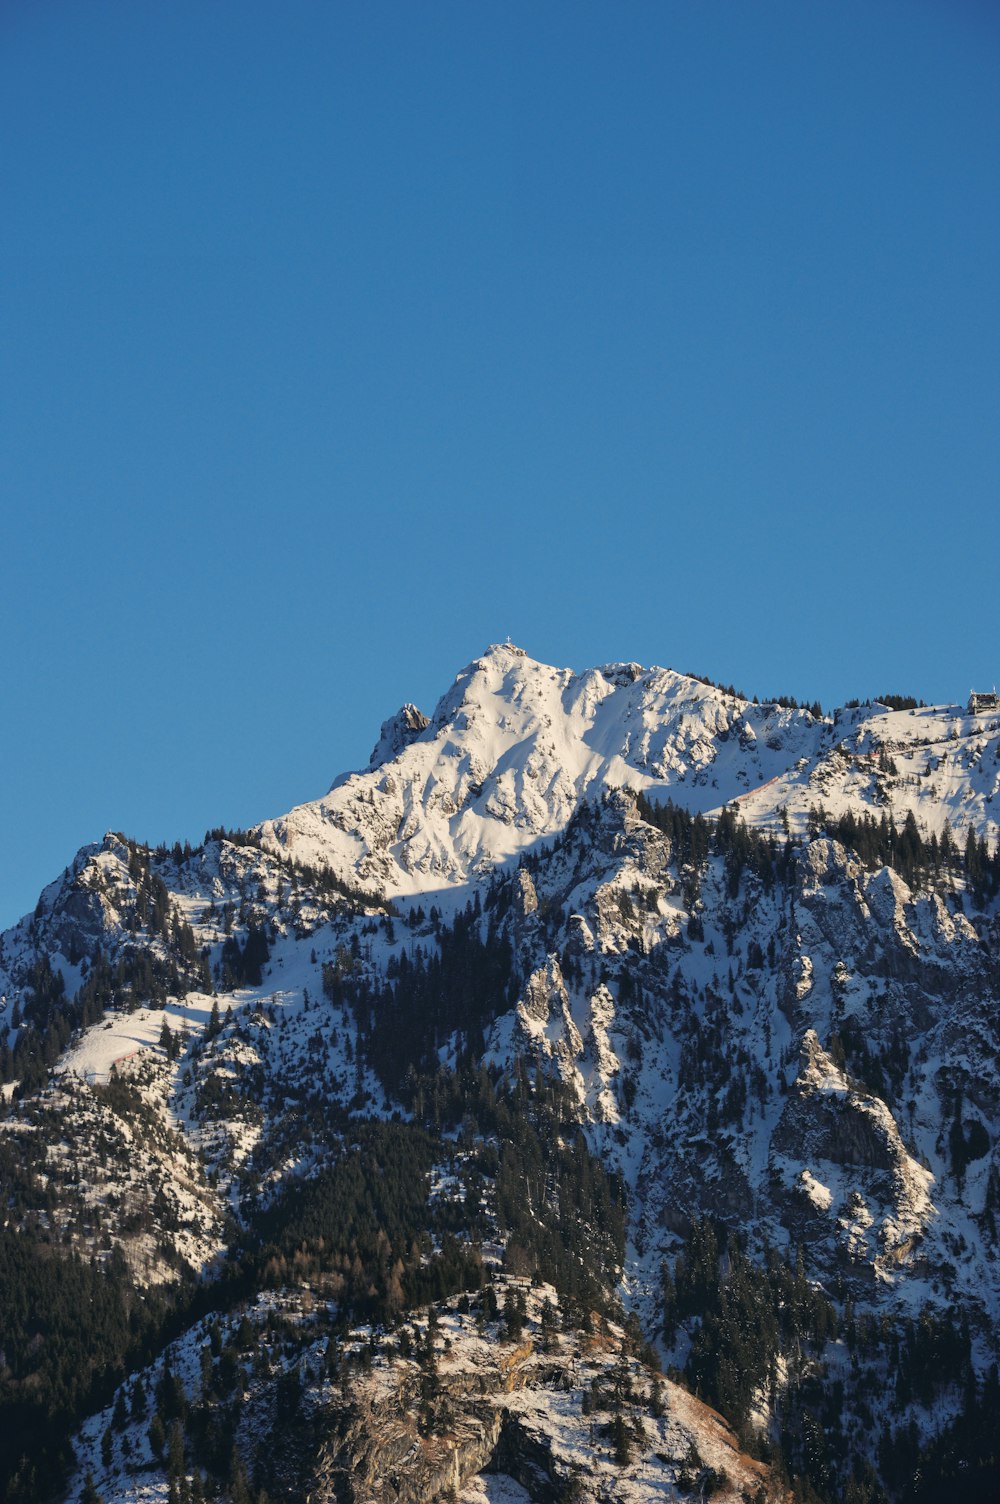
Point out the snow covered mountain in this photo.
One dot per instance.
(684, 1006)
(512, 749)
(515, 746)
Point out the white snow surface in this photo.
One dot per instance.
(515, 745)
(511, 750)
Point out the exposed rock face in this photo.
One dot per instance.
(514, 1408)
(397, 733)
(372, 1453)
(528, 894)
(841, 1147)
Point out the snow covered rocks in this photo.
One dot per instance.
(606, 1019)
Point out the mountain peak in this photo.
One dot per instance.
(397, 733)
(515, 745)
(507, 647)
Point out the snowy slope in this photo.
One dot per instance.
(937, 762)
(515, 745)
(513, 748)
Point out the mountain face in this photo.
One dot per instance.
(511, 752)
(606, 1021)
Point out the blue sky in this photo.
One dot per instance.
(338, 341)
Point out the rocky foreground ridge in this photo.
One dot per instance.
(459, 1403)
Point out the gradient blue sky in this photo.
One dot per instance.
(339, 340)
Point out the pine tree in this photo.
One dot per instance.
(621, 1441)
(90, 1494)
(120, 1417)
(157, 1435)
(175, 1451)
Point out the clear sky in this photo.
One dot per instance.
(339, 340)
